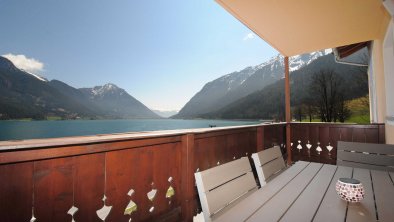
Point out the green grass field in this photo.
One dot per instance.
(25, 119)
(54, 118)
(360, 119)
(359, 111)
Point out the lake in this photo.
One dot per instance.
(18, 130)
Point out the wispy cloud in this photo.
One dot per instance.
(248, 36)
(28, 64)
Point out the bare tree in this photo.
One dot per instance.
(342, 111)
(362, 76)
(362, 71)
(299, 112)
(326, 87)
(309, 106)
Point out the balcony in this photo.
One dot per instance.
(150, 176)
(46, 178)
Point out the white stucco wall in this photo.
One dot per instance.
(388, 58)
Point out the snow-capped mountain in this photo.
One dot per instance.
(27, 95)
(236, 79)
(6, 64)
(231, 87)
(295, 62)
(116, 102)
(35, 75)
(298, 61)
(23, 95)
(109, 88)
(268, 103)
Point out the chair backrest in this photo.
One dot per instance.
(220, 186)
(267, 163)
(366, 155)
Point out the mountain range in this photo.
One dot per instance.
(27, 95)
(255, 92)
(165, 113)
(268, 103)
(229, 88)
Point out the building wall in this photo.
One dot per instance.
(389, 134)
(378, 91)
(382, 78)
(388, 56)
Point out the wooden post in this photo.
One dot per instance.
(381, 133)
(187, 186)
(287, 105)
(259, 139)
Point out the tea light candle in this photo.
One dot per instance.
(350, 190)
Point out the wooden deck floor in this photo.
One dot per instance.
(306, 192)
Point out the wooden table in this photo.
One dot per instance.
(306, 192)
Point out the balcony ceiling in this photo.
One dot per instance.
(296, 27)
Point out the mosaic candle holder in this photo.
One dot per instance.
(350, 190)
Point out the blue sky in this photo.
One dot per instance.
(161, 52)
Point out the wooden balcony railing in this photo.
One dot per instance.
(140, 176)
(317, 142)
